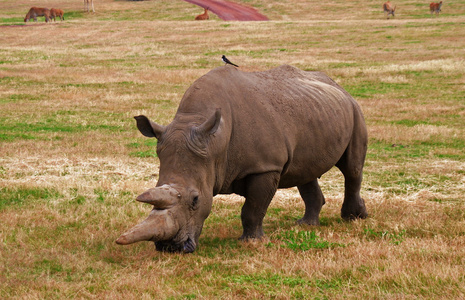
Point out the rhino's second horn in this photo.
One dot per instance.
(161, 197)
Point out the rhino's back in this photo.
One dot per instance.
(296, 95)
(313, 119)
(283, 120)
(285, 90)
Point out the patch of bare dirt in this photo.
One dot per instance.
(230, 11)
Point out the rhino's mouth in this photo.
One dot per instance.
(188, 246)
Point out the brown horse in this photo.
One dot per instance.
(35, 12)
(388, 9)
(86, 4)
(435, 7)
(203, 16)
(56, 12)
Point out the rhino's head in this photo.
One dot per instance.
(183, 197)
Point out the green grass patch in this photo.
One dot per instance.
(46, 266)
(340, 65)
(270, 280)
(13, 21)
(411, 123)
(392, 237)
(249, 53)
(7, 137)
(382, 151)
(146, 149)
(213, 246)
(274, 286)
(25, 196)
(146, 153)
(50, 126)
(22, 97)
(369, 89)
(69, 15)
(59, 122)
(305, 240)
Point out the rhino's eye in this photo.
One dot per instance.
(195, 201)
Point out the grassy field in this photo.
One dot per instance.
(72, 161)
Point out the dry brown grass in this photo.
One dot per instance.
(72, 161)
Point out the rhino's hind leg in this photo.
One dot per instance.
(353, 206)
(314, 200)
(259, 191)
(351, 166)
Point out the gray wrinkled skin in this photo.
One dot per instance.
(251, 133)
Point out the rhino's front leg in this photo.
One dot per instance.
(259, 191)
(314, 200)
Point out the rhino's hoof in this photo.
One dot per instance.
(309, 222)
(246, 238)
(350, 216)
(355, 210)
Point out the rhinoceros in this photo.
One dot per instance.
(250, 133)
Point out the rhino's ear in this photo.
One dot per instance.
(210, 126)
(149, 128)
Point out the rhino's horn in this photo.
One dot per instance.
(161, 197)
(159, 226)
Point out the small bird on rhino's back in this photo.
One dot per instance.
(227, 61)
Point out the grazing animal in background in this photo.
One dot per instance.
(227, 61)
(56, 12)
(435, 7)
(203, 16)
(87, 3)
(388, 9)
(250, 133)
(35, 12)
